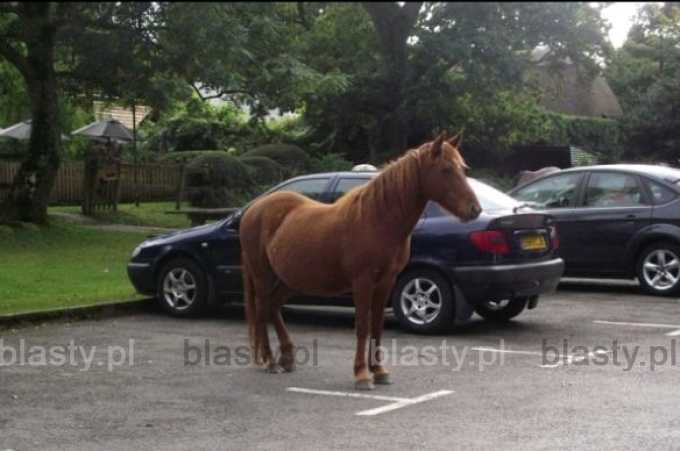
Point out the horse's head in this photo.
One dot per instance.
(443, 178)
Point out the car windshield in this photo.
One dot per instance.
(490, 198)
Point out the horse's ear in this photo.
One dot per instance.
(456, 139)
(437, 145)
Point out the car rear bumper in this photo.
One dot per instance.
(485, 283)
(142, 277)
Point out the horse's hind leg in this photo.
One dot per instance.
(363, 294)
(287, 357)
(262, 335)
(380, 375)
(271, 296)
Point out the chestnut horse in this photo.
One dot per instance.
(294, 245)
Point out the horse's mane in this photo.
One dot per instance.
(398, 180)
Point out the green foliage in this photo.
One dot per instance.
(330, 162)
(14, 101)
(495, 124)
(291, 157)
(263, 170)
(289, 128)
(643, 73)
(246, 52)
(353, 90)
(398, 92)
(216, 180)
(189, 155)
(600, 136)
(194, 125)
(72, 116)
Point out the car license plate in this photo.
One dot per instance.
(533, 243)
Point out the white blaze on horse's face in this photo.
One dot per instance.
(445, 180)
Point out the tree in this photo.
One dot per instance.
(244, 52)
(643, 73)
(34, 25)
(429, 53)
(393, 25)
(58, 48)
(140, 51)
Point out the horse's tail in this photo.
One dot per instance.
(251, 314)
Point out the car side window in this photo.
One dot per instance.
(345, 185)
(312, 188)
(610, 189)
(558, 191)
(660, 193)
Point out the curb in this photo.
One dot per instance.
(97, 312)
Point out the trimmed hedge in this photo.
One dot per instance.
(188, 155)
(330, 162)
(214, 181)
(263, 170)
(597, 135)
(287, 155)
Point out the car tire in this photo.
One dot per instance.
(182, 288)
(665, 257)
(422, 301)
(503, 310)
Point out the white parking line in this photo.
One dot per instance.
(674, 333)
(397, 403)
(564, 360)
(345, 394)
(505, 351)
(571, 359)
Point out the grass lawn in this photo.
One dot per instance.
(147, 214)
(61, 265)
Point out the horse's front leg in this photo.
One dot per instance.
(363, 295)
(382, 292)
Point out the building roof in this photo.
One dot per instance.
(103, 111)
(571, 91)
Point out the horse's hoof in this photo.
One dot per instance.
(274, 369)
(382, 378)
(364, 384)
(288, 367)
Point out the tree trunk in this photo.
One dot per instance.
(29, 194)
(393, 24)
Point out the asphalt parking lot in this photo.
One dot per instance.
(594, 366)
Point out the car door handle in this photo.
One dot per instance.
(631, 216)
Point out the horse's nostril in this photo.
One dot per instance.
(475, 210)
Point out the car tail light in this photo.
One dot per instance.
(490, 241)
(554, 237)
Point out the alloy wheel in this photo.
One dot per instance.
(421, 300)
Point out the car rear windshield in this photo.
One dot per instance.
(489, 198)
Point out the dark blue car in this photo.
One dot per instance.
(615, 221)
(495, 265)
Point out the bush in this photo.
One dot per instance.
(188, 155)
(330, 162)
(215, 181)
(289, 156)
(263, 170)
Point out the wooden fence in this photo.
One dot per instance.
(155, 182)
